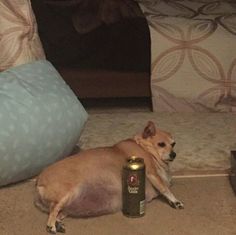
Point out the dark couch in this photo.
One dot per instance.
(101, 48)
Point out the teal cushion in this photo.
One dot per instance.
(40, 120)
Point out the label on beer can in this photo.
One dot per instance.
(133, 183)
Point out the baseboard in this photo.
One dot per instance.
(201, 173)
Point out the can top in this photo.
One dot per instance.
(135, 159)
(135, 163)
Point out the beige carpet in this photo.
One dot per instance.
(203, 144)
(203, 140)
(209, 210)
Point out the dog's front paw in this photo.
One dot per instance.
(177, 205)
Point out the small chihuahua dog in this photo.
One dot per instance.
(89, 183)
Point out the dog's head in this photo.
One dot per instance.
(158, 142)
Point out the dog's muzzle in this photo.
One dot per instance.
(172, 155)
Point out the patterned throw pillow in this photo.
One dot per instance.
(40, 118)
(19, 40)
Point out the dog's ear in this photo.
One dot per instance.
(149, 130)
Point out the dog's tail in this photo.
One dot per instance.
(38, 202)
(40, 205)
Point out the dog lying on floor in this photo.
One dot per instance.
(89, 183)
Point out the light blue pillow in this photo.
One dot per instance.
(40, 120)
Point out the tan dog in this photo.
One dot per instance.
(89, 183)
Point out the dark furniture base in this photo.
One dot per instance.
(112, 59)
(105, 83)
(129, 103)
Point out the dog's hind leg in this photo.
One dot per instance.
(52, 218)
(54, 223)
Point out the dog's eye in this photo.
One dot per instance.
(161, 144)
(173, 144)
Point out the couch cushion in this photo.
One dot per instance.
(19, 40)
(193, 55)
(40, 117)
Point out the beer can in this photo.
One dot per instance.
(133, 184)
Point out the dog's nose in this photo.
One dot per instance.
(172, 155)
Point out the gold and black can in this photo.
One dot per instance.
(134, 187)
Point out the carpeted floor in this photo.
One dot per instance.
(209, 210)
(203, 145)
